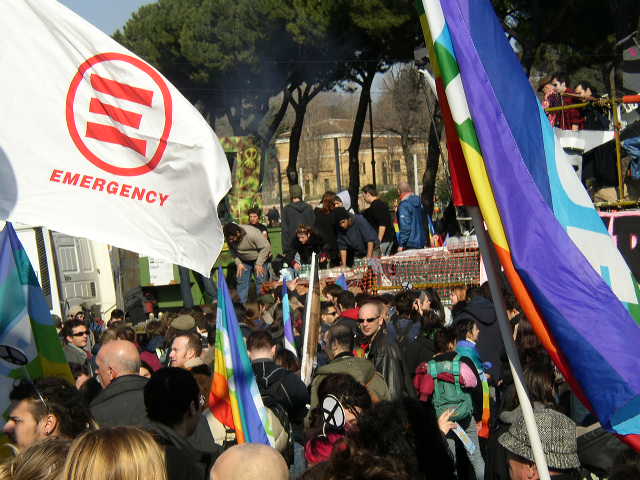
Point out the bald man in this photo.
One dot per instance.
(250, 461)
(121, 402)
(411, 218)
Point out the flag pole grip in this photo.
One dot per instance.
(491, 265)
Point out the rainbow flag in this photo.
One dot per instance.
(289, 341)
(29, 345)
(568, 276)
(235, 399)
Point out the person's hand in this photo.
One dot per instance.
(291, 284)
(296, 266)
(400, 249)
(444, 421)
(240, 270)
(260, 269)
(479, 425)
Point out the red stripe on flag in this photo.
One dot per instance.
(121, 90)
(463, 193)
(125, 117)
(106, 133)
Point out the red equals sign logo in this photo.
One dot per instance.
(109, 133)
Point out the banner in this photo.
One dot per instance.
(96, 143)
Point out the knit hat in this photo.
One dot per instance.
(295, 191)
(183, 323)
(557, 434)
(340, 214)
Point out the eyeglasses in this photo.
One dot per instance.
(368, 320)
(80, 334)
(331, 313)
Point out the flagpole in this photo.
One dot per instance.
(491, 267)
(306, 367)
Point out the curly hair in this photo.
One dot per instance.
(353, 463)
(53, 395)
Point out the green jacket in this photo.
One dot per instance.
(359, 368)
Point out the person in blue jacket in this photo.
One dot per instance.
(412, 233)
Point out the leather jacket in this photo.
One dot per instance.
(386, 358)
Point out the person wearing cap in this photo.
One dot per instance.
(294, 214)
(356, 238)
(252, 253)
(558, 437)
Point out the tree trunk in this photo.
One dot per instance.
(300, 107)
(433, 157)
(356, 136)
(267, 135)
(408, 158)
(294, 144)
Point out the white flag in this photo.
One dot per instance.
(95, 143)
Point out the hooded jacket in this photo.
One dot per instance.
(359, 368)
(412, 233)
(489, 345)
(294, 215)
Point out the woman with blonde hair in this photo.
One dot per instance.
(119, 453)
(42, 461)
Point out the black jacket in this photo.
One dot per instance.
(294, 215)
(292, 393)
(121, 403)
(386, 358)
(490, 346)
(325, 226)
(305, 250)
(183, 461)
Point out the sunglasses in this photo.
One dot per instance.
(368, 320)
(80, 334)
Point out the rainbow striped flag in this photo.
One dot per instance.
(570, 279)
(235, 399)
(289, 341)
(29, 344)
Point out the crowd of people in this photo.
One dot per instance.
(337, 235)
(404, 388)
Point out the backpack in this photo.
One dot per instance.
(448, 395)
(278, 417)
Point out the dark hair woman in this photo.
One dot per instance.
(325, 226)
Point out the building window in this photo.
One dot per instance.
(307, 187)
(364, 168)
(396, 166)
(326, 185)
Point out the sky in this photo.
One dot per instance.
(107, 15)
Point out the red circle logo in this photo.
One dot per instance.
(125, 123)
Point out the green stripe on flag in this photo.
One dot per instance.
(447, 62)
(467, 134)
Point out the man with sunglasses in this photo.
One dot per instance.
(382, 350)
(76, 338)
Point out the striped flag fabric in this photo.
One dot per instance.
(570, 279)
(289, 342)
(29, 345)
(235, 399)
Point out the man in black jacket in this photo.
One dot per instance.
(121, 402)
(383, 351)
(480, 309)
(295, 214)
(284, 386)
(172, 400)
